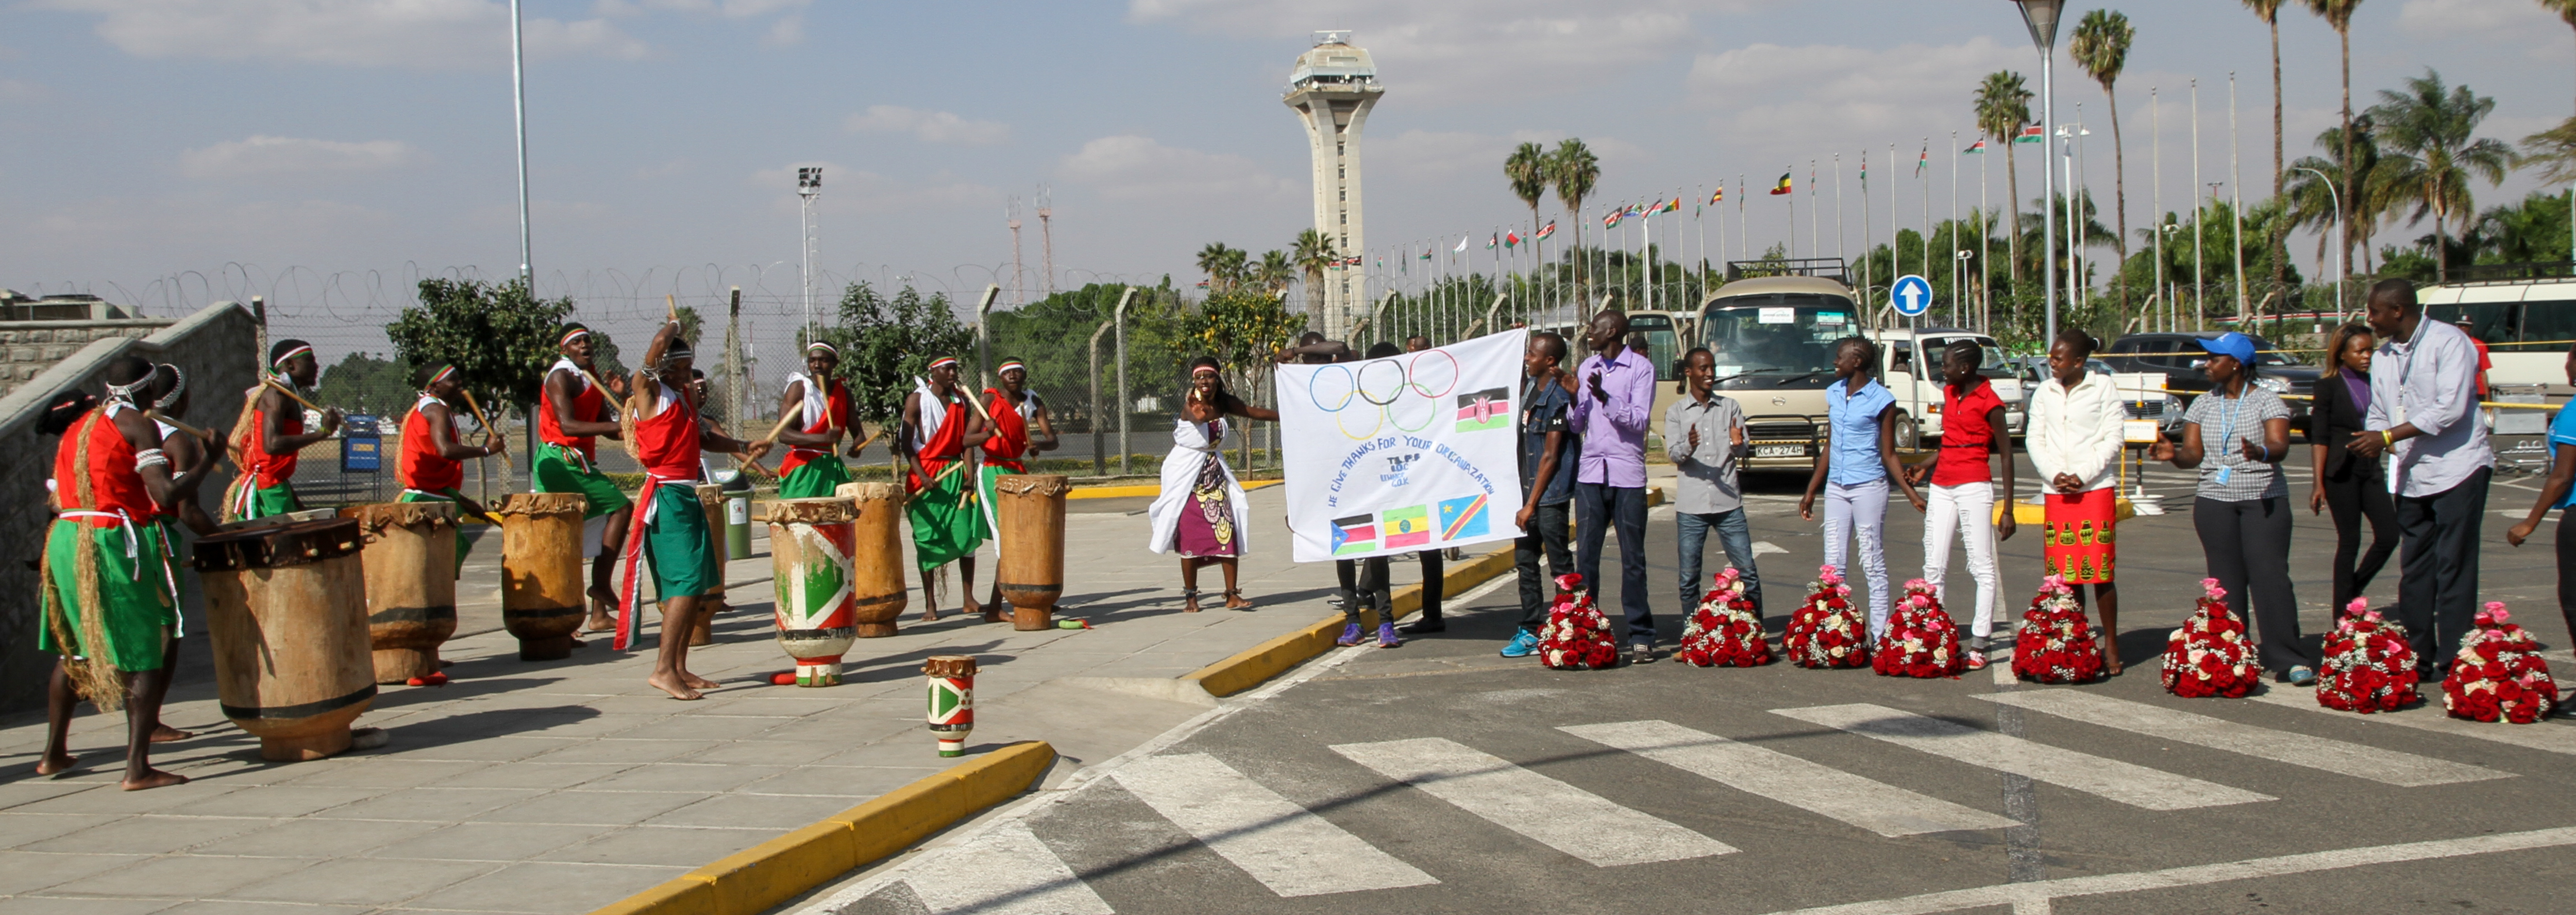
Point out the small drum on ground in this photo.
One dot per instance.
(543, 595)
(410, 563)
(286, 614)
(1030, 508)
(877, 592)
(952, 700)
(809, 544)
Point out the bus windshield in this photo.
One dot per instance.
(1775, 341)
(1663, 344)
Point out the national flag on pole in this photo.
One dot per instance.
(1491, 241)
(1974, 149)
(1512, 239)
(1545, 231)
(1923, 162)
(1782, 187)
(1672, 206)
(1718, 197)
(1612, 220)
(1462, 245)
(1426, 254)
(2031, 133)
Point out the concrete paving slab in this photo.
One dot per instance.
(360, 881)
(430, 805)
(147, 835)
(180, 876)
(309, 835)
(549, 887)
(59, 905)
(27, 871)
(489, 841)
(275, 801)
(677, 846)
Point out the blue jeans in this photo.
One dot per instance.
(1598, 508)
(1734, 534)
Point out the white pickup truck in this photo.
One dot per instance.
(1910, 366)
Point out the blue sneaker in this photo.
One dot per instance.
(1386, 637)
(1350, 636)
(1522, 645)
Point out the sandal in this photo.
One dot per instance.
(1236, 594)
(1189, 600)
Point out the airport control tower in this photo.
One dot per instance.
(1332, 89)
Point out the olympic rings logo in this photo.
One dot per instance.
(1376, 392)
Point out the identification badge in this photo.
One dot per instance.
(2223, 474)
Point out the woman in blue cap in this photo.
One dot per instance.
(2237, 435)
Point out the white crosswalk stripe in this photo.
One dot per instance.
(2135, 785)
(1290, 850)
(2543, 735)
(1559, 815)
(1872, 805)
(1005, 871)
(2387, 766)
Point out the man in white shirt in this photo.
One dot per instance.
(2424, 411)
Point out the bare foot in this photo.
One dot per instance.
(153, 778)
(1234, 601)
(1190, 603)
(996, 611)
(699, 682)
(975, 609)
(2110, 661)
(930, 614)
(55, 764)
(162, 733)
(601, 619)
(673, 685)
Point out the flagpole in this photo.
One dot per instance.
(2155, 129)
(1699, 226)
(1646, 249)
(1815, 248)
(1789, 239)
(1922, 163)
(1985, 246)
(2236, 205)
(1867, 240)
(1841, 250)
(1957, 289)
(1743, 238)
(1895, 248)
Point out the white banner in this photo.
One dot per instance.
(1406, 453)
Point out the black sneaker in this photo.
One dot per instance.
(1423, 626)
(1641, 653)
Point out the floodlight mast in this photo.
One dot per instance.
(809, 185)
(2041, 16)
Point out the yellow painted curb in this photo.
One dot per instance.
(1146, 489)
(758, 878)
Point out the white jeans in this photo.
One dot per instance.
(1860, 510)
(1968, 511)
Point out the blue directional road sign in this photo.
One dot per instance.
(1912, 295)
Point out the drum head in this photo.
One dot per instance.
(294, 544)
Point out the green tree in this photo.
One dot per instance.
(2101, 47)
(2003, 106)
(1313, 254)
(364, 384)
(1224, 266)
(2434, 128)
(1274, 273)
(2554, 151)
(2338, 13)
(2270, 12)
(499, 337)
(2526, 232)
(1573, 171)
(1526, 170)
(2566, 10)
(885, 342)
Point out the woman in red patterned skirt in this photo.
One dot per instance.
(2075, 442)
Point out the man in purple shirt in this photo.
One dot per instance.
(1614, 395)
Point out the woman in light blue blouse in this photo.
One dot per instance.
(1859, 466)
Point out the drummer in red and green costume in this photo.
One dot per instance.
(1015, 409)
(822, 404)
(940, 426)
(671, 527)
(432, 464)
(572, 413)
(278, 436)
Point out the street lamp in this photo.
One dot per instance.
(2041, 17)
(519, 113)
(809, 185)
(1958, 280)
(2340, 268)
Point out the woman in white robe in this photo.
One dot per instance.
(1201, 510)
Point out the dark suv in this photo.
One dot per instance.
(2178, 357)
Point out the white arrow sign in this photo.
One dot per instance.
(1911, 296)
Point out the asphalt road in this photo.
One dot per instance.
(1439, 777)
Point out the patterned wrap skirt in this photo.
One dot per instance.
(2082, 534)
(1207, 522)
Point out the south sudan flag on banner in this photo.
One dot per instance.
(1355, 534)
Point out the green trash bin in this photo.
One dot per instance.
(737, 513)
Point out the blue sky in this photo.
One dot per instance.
(365, 142)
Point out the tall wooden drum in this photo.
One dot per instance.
(711, 499)
(543, 596)
(410, 561)
(1030, 508)
(809, 542)
(286, 611)
(877, 591)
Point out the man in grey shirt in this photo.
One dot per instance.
(1704, 435)
(2424, 410)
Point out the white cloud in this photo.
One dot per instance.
(1130, 167)
(730, 9)
(1802, 101)
(928, 126)
(406, 33)
(266, 156)
(858, 191)
(19, 90)
(2475, 16)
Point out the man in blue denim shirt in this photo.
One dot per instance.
(1548, 448)
(1704, 435)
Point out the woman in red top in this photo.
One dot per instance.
(1963, 496)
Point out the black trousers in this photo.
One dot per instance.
(1547, 534)
(2567, 571)
(2248, 548)
(1435, 582)
(2437, 569)
(1365, 586)
(2359, 492)
(1597, 509)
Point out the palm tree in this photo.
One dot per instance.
(2101, 47)
(1573, 170)
(1526, 169)
(2566, 10)
(2338, 13)
(2434, 127)
(2003, 105)
(1212, 261)
(1274, 273)
(2377, 183)
(2270, 12)
(1313, 254)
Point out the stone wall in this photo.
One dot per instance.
(217, 347)
(28, 348)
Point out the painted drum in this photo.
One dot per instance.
(410, 562)
(711, 502)
(952, 700)
(1030, 508)
(809, 546)
(543, 594)
(877, 591)
(286, 614)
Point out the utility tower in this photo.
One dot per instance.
(1332, 88)
(1019, 292)
(1046, 236)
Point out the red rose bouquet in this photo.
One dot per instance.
(1724, 631)
(1577, 636)
(1921, 640)
(2056, 644)
(1826, 631)
(2209, 656)
(2368, 667)
(2499, 674)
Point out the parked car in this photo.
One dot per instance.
(1915, 379)
(2140, 391)
(2178, 358)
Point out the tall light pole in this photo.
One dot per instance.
(2041, 17)
(809, 185)
(519, 111)
(2341, 280)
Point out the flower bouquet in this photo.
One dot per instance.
(2056, 644)
(1826, 631)
(1724, 631)
(2368, 667)
(2209, 656)
(1921, 640)
(2499, 674)
(1576, 636)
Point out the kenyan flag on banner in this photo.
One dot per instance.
(1490, 408)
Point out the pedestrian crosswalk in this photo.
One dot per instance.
(1342, 841)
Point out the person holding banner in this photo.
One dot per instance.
(1859, 466)
(1549, 449)
(572, 413)
(1614, 397)
(941, 423)
(810, 470)
(1201, 509)
(277, 435)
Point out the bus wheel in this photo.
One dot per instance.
(1909, 436)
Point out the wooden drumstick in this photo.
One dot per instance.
(290, 393)
(479, 418)
(159, 417)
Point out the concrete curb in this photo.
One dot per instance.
(757, 878)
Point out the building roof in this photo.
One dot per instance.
(1333, 60)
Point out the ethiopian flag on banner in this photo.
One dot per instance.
(1782, 187)
(1406, 527)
